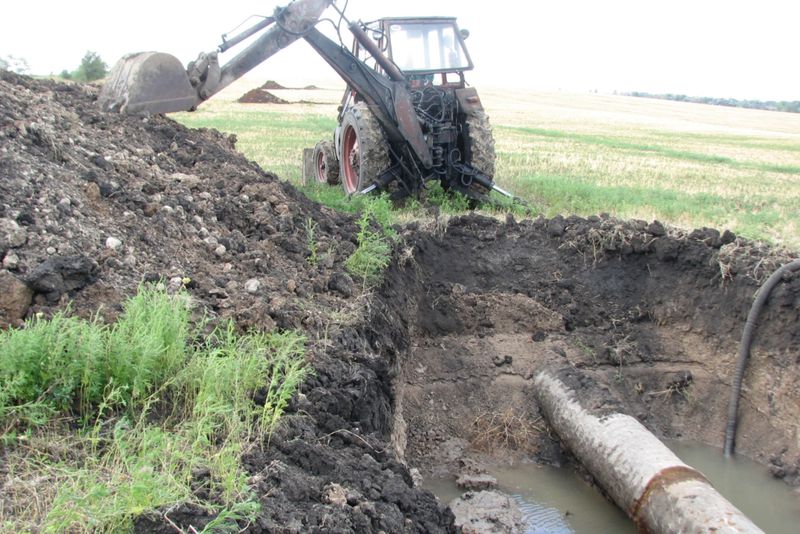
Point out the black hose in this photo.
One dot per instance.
(744, 349)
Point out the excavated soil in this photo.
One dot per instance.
(272, 84)
(260, 96)
(433, 370)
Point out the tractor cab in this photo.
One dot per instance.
(428, 50)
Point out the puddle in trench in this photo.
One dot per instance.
(767, 501)
(557, 501)
(552, 500)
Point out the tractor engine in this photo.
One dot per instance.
(437, 111)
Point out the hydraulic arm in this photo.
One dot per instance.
(154, 82)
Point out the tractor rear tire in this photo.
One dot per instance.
(479, 146)
(326, 166)
(365, 151)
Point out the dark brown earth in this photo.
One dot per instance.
(260, 96)
(272, 84)
(654, 318)
(433, 368)
(183, 203)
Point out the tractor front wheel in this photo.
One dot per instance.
(365, 151)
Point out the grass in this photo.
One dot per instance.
(311, 242)
(509, 429)
(102, 423)
(690, 165)
(273, 139)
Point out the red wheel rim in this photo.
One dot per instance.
(350, 160)
(321, 175)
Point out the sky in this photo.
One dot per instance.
(733, 49)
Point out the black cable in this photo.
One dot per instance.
(744, 349)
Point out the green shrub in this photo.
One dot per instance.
(149, 343)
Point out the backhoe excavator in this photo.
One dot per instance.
(407, 115)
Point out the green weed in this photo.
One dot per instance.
(372, 255)
(49, 367)
(311, 241)
(157, 404)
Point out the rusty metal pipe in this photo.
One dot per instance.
(652, 485)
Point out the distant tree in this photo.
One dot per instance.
(769, 105)
(92, 68)
(14, 64)
(67, 75)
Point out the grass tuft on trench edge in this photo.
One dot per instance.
(102, 423)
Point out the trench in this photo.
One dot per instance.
(557, 500)
(653, 319)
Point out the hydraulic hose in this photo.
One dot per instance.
(744, 349)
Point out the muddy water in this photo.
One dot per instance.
(552, 500)
(769, 503)
(556, 501)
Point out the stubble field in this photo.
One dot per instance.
(691, 165)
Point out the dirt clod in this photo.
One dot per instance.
(488, 512)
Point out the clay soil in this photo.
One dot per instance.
(430, 370)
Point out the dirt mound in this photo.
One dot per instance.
(271, 84)
(92, 204)
(147, 199)
(260, 96)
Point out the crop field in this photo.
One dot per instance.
(690, 165)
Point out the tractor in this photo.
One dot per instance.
(407, 116)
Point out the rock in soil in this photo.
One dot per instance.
(487, 512)
(15, 301)
(476, 482)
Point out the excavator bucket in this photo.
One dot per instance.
(146, 83)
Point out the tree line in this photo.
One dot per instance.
(789, 106)
(91, 68)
